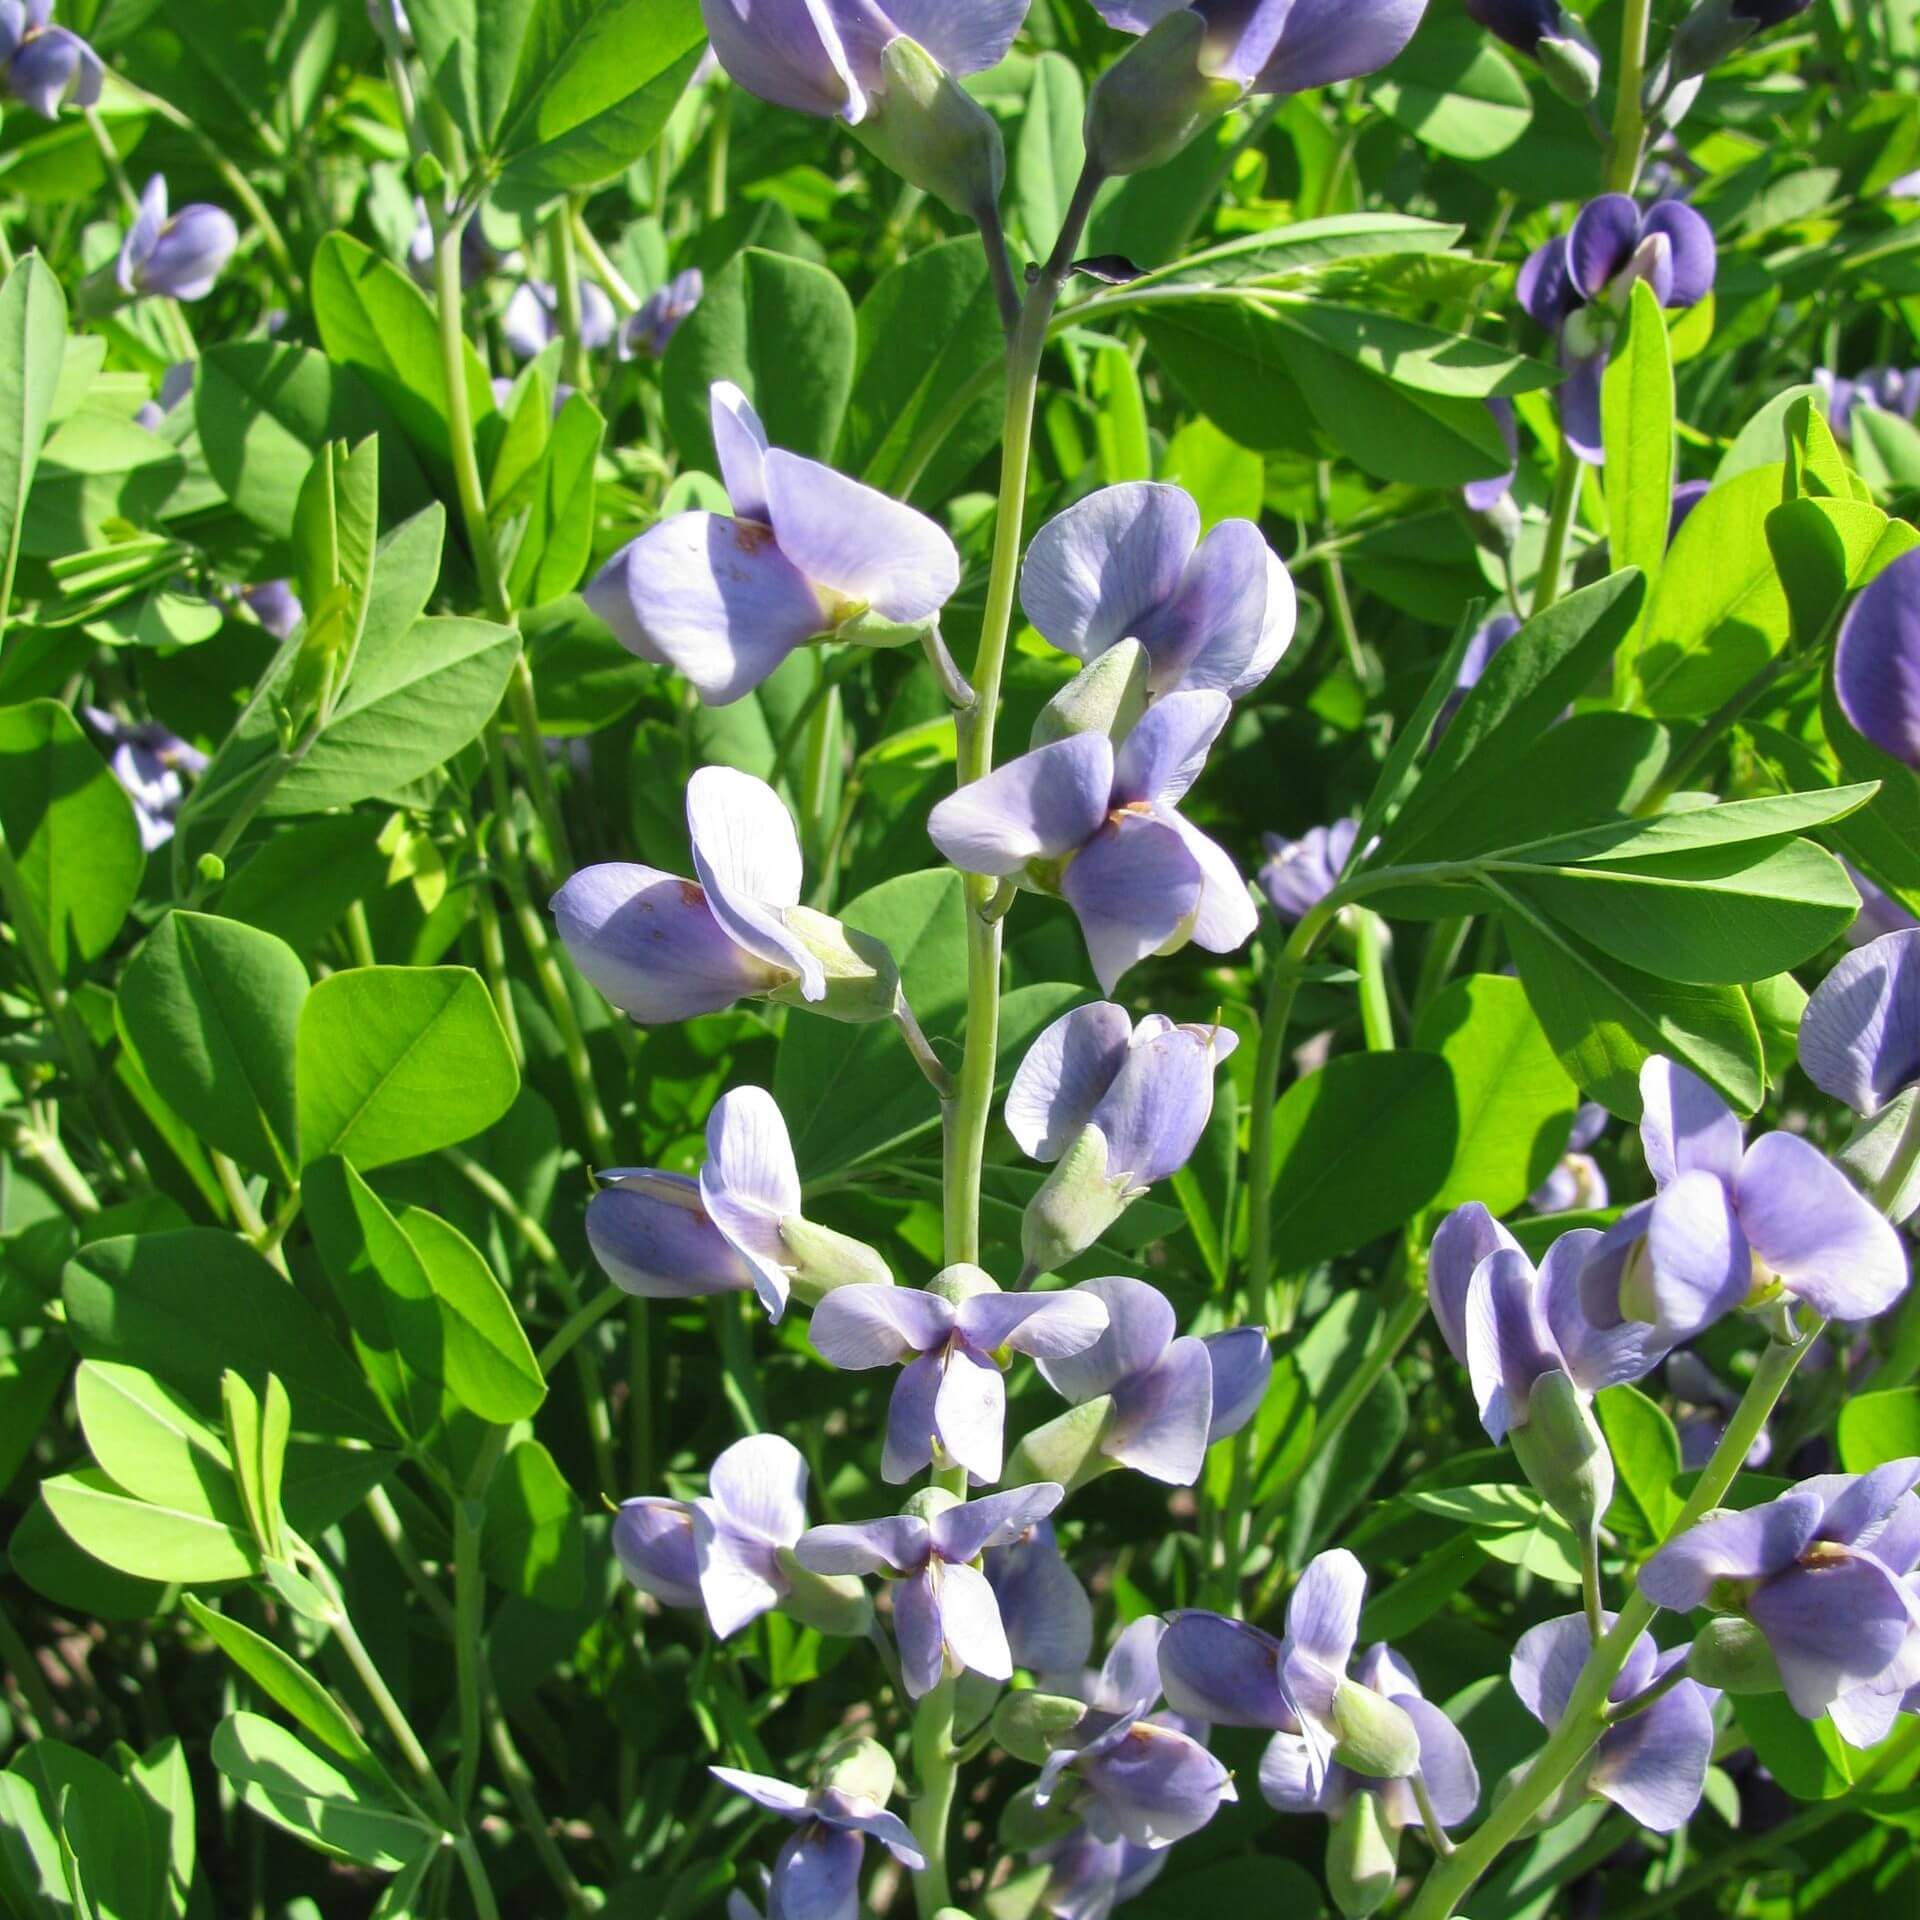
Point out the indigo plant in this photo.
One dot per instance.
(960, 958)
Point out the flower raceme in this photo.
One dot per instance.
(807, 554)
(46, 66)
(1097, 824)
(1298, 874)
(178, 256)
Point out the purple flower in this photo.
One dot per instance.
(1712, 1403)
(1091, 1876)
(1876, 664)
(807, 554)
(1128, 563)
(1686, 496)
(1284, 46)
(1099, 826)
(178, 257)
(47, 66)
(823, 56)
(1860, 1033)
(665, 1236)
(1577, 287)
(660, 315)
(1892, 389)
(1142, 1779)
(1576, 1182)
(1172, 1398)
(816, 1875)
(1482, 496)
(1299, 874)
(1732, 1224)
(664, 949)
(1653, 1766)
(945, 1617)
(1522, 24)
(1879, 911)
(276, 606)
(951, 1395)
(531, 322)
(148, 761)
(1044, 1608)
(1807, 1570)
(721, 1551)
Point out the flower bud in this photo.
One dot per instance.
(821, 1259)
(870, 629)
(1066, 1449)
(1107, 696)
(1707, 35)
(1570, 64)
(1363, 1858)
(1028, 1724)
(835, 1604)
(1869, 1155)
(1076, 1203)
(862, 981)
(1377, 1738)
(1564, 1454)
(932, 132)
(862, 1768)
(1155, 98)
(1732, 1654)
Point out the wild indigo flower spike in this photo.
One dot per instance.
(1099, 826)
(806, 555)
(816, 1874)
(1876, 664)
(179, 257)
(1128, 563)
(1811, 1571)
(651, 330)
(1114, 1108)
(1733, 1225)
(1044, 1608)
(950, 1402)
(531, 322)
(48, 67)
(1299, 874)
(663, 949)
(1134, 1776)
(1653, 1767)
(945, 1617)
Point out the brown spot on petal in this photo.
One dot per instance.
(692, 894)
(750, 536)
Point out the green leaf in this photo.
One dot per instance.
(1877, 1427)
(783, 331)
(1516, 1102)
(1815, 465)
(151, 1443)
(347, 1816)
(490, 1368)
(533, 1545)
(1277, 255)
(1825, 549)
(1636, 428)
(1229, 364)
(1887, 448)
(1413, 355)
(1359, 1148)
(399, 1061)
(1646, 1458)
(471, 51)
(212, 1008)
(187, 1305)
(1227, 481)
(69, 827)
(554, 540)
(285, 1682)
(62, 1810)
(1774, 816)
(1758, 443)
(1455, 91)
(33, 332)
(1497, 1504)
(144, 1538)
(1048, 153)
(1807, 1757)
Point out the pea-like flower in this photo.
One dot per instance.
(1169, 1399)
(1578, 284)
(1088, 1877)
(1283, 46)
(663, 949)
(1044, 1608)
(1860, 1033)
(1653, 1765)
(1732, 1224)
(1876, 664)
(1576, 1182)
(945, 1617)
(1894, 390)
(1098, 825)
(276, 606)
(1706, 1404)
(951, 1394)
(1298, 874)
(149, 762)
(1808, 1570)
(651, 330)
(816, 1874)
(806, 555)
(47, 66)
(1128, 563)
(178, 256)
(531, 322)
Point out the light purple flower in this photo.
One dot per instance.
(148, 761)
(1128, 563)
(1707, 1403)
(945, 1617)
(1099, 826)
(178, 257)
(1578, 284)
(1807, 1570)
(823, 56)
(1653, 1766)
(1299, 874)
(721, 1551)
(47, 66)
(1892, 389)
(1140, 1777)
(651, 329)
(1172, 1398)
(1043, 1606)
(1860, 1033)
(1147, 1089)
(951, 1392)
(1876, 664)
(1576, 1182)
(664, 1236)
(807, 554)
(1284, 46)
(531, 322)
(662, 948)
(276, 606)
(1090, 1877)
(1482, 496)
(816, 1875)
(1730, 1222)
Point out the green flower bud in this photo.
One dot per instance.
(1732, 1654)
(1074, 1206)
(1107, 696)
(1570, 64)
(1377, 1738)
(932, 132)
(835, 1604)
(1869, 1155)
(1155, 98)
(1705, 38)
(1363, 1858)
(819, 1259)
(862, 981)
(1564, 1455)
(863, 1768)
(1029, 1724)
(1066, 1449)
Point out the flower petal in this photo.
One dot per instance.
(966, 39)
(1860, 1034)
(1654, 1766)
(1691, 241)
(816, 1875)
(1699, 1263)
(964, 1533)
(908, 1447)
(1463, 1239)
(1129, 1677)
(653, 1540)
(1242, 1363)
(1323, 1611)
(1447, 1771)
(1225, 1671)
(1096, 571)
(1161, 1418)
(1859, 1506)
(1039, 806)
(1065, 1073)
(1290, 1779)
(970, 1414)
(740, 1579)
(1601, 242)
(1685, 1127)
(1156, 1107)
(652, 1238)
(918, 1634)
(1509, 1345)
(1164, 754)
(1545, 289)
(1225, 917)
(1044, 1608)
(1546, 1665)
(788, 54)
(767, 1793)
(1596, 1357)
(747, 855)
(1876, 664)
(1821, 1237)
(970, 1623)
(1154, 1785)
(1052, 1326)
(1133, 886)
(1752, 1545)
(1831, 1627)
(864, 1546)
(1320, 42)
(875, 1326)
(761, 1482)
(751, 1183)
(1206, 636)
(741, 443)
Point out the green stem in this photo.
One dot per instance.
(518, 1777)
(566, 288)
(1591, 1599)
(1338, 603)
(1629, 126)
(1566, 497)
(937, 1772)
(1376, 1010)
(618, 291)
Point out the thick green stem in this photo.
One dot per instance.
(1370, 956)
(1566, 497)
(566, 291)
(1629, 123)
(469, 1624)
(937, 1772)
(1591, 1600)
